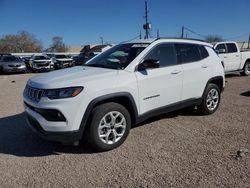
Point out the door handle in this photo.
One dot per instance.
(204, 66)
(237, 55)
(225, 57)
(176, 72)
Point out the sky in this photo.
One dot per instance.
(81, 22)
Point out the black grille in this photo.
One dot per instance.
(34, 93)
(14, 65)
(48, 114)
(42, 64)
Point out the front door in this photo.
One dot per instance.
(160, 87)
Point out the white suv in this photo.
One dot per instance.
(121, 87)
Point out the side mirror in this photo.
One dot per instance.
(149, 64)
(221, 51)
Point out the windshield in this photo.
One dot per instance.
(41, 58)
(61, 56)
(10, 58)
(118, 57)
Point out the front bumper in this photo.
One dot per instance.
(60, 65)
(41, 118)
(14, 69)
(45, 68)
(65, 137)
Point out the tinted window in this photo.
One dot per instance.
(118, 57)
(41, 58)
(231, 48)
(10, 58)
(221, 47)
(61, 56)
(203, 52)
(165, 53)
(187, 53)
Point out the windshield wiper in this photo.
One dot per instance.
(101, 65)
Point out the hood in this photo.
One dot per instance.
(64, 59)
(14, 63)
(42, 61)
(69, 77)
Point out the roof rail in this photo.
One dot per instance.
(181, 38)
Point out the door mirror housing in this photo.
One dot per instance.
(221, 51)
(149, 64)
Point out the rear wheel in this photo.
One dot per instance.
(246, 69)
(210, 100)
(109, 127)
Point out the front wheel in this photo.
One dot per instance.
(210, 100)
(246, 69)
(109, 127)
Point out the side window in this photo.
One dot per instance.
(221, 48)
(203, 52)
(231, 48)
(188, 53)
(165, 53)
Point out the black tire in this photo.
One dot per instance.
(204, 108)
(97, 116)
(246, 69)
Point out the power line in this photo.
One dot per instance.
(137, 37)
(193, 32)
(239, 36)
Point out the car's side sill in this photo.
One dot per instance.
(168, 108)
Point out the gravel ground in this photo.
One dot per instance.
(180, 149)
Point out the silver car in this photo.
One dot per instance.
(9, 63)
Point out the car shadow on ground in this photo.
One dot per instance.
(232, 74)
(245, 94)
(17, 139)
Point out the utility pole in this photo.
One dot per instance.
(146, 26)
(182, 32)
(158, 33)
(101, 40)
(140, 35)
(248, 46)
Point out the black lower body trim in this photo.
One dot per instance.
(168, 108)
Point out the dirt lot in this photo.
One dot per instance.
(181, 149)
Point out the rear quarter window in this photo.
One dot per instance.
(231, 48)
(188, 53)
(203, 52)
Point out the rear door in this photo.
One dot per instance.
(222, 50)
(196, 69)
(161, 86)
(230, 55)
(233, 56)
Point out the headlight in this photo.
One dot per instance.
(63, 92)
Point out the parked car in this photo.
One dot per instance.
(124, 85)
(62, 61)
(233, 58)
(41, 63)
(82, 58)
(9, 63)
(2, 54)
